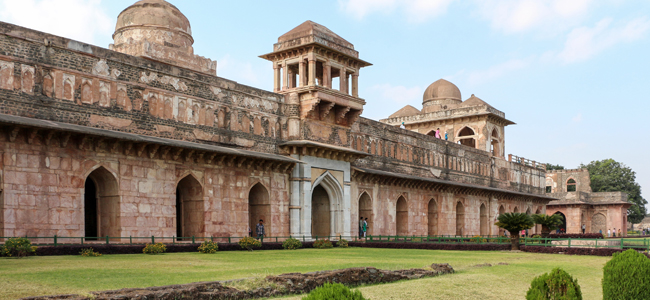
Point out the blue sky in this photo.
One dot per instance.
(573, 75)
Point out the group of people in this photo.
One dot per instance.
(612, 233)
(363, 226)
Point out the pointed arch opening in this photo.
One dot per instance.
(259, 208)
(484, 220)
(432, 218)
(515, 210)
(599, 223)
(495, 147)
(402, 217)
(101, 204)
(571, 185)
(502, 210)
(562, 227)
(326, 207)
(365, 211)
(190, 208)
(467, 137)
(460, 218)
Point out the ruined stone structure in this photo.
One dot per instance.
(579, 205)
(145, 139)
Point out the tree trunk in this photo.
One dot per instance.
(514, 239)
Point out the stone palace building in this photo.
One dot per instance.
(145, 139)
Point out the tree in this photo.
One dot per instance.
(554, 167)
(548, 223)
(514, 223)
(609, 175)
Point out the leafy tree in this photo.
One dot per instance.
(548, 223)
(514, 223)
(609, 175)
(554, 167)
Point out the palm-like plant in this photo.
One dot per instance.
(515, 223)
(549, 223)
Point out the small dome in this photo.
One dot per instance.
(154, 14)
(442, 89)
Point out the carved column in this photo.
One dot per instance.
(327, 75)
(292, 78)
(285, 76)
(277, 81)
(301, 73)
(355, 84)
(312, 70)
(343, 82)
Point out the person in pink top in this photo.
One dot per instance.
(438, 133)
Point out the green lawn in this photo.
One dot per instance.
(75, 274)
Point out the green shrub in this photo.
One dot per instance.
(17, 247)
(291, 244)
(249, 243)
(333, 291)
(342, 243)
(557, 285)
(209, 247)
(156, 248)
(478, 239)
(88, 252)
(627, 276)
(323, 244)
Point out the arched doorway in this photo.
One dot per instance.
(538, 227)
(402, 214)
(320, 213)
(460, 219)
(516, 210)
(189, 208)
(484, 220)
(599, 223)
(365, 210)
(562, 227)
(502, 210)
(259, 208)
(101, 204)
(467, 137)
(432, 217)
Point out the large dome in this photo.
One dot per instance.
(154, 14)
(442, 89)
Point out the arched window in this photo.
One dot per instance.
(571, 185)
(494, 144)
(467, 137)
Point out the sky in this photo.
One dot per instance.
(574, 75)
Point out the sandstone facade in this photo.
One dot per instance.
(97, 142)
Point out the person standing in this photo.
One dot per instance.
(583, 228)
(619, 233)
(360, 226)
(446, 136)
(250, 232)
(609, 232)
(260, 229)
(365, 227)
(438, 133)
(614, 232)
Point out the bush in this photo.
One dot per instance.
(209, 247)
(323, 244)
(432, 246)
(249, 243)
(156, 248)
(626, 276)
(575, 236)
(291, 244)
(478, 239)
(342, 243)
(88, 252)
(558, 285)
(333, 291)
(17, 247)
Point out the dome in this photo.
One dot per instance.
(442, 89)
(154, 14)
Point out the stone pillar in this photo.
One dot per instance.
(285, 76)
(277, 81)
(301, 72)
(312, 71)
(343, 85)
(292, 79)
(355, 84)
(327, 75)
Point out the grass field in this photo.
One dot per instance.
(75, 274)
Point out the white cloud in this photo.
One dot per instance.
(585, 42)
(82, 20)
(577, 118)
(496, 71)
(415, 10)
(545, 15)
(399, 94)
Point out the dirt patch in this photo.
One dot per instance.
(285, 284)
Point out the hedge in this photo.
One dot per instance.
(572, 251)
(433, 246)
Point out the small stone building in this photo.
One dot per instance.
(579, 205)
(143, 139)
